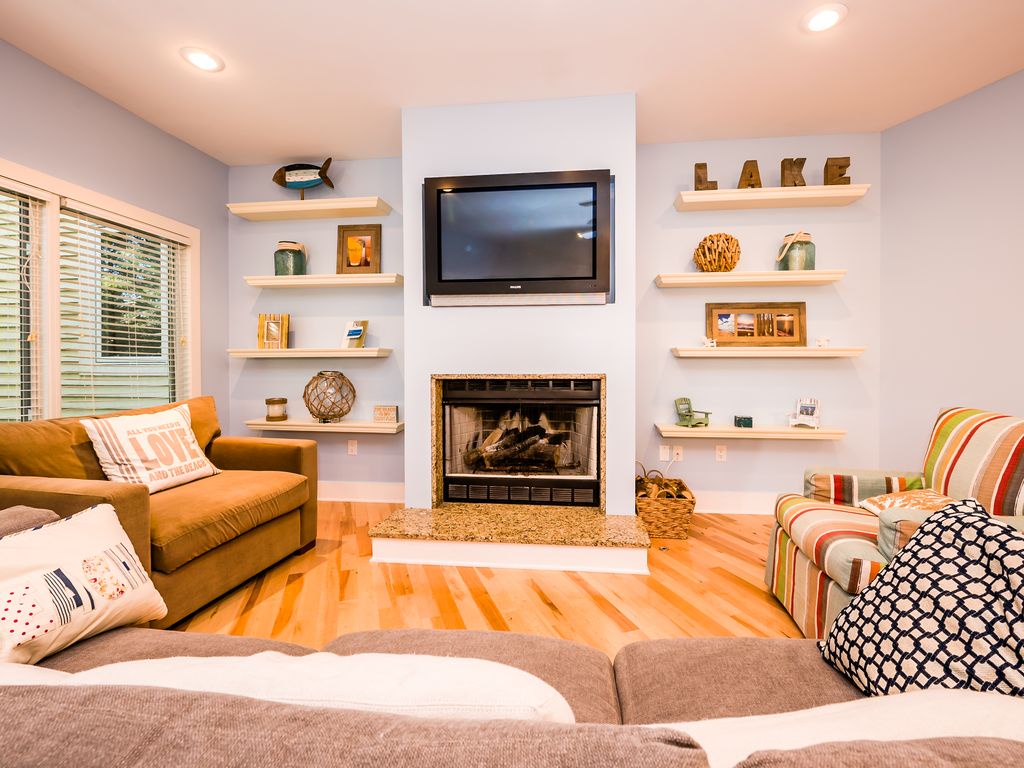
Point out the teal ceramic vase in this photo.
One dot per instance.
(290, 258)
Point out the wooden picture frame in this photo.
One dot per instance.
(359, 249)
(757, 324)
(272, 332)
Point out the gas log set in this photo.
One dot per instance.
(530, 450)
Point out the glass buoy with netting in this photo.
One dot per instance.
(329, 396)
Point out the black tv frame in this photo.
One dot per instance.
(601, 283)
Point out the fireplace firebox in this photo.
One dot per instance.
(521, 441)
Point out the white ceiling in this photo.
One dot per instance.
(308, 78)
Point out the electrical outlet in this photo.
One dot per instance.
(353, 447)
(677, 453)
(663, 453)
(721, 454)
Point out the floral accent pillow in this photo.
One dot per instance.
(925, 500)
(68, 580)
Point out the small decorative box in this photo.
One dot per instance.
(747, 422)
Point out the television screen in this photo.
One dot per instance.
(518, 233)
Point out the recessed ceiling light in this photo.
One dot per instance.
(825, 17)
(203, 60)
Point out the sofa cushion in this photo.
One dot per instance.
(850, 486)
(581, 674)
(61, 447)
(159, 727)
(68, 580)
(948, 611)
(978, 454)
(841, 541)
(664, 681)
(195, 518)
(158, 450)
(920, 753)
(131, 643)
(21, 518)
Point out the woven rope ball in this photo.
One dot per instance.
(717, 253)
(329, 396)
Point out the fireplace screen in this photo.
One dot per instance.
(523, 441)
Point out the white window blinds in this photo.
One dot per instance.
(123, 311)
(20, 278)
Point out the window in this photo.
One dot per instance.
(121, 314)
(94, 304)
(20, 250)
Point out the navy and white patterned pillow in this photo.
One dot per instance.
(947, 611)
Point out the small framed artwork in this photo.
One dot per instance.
(272, 332)
(358, 249)
(763, 324)
(355, 334)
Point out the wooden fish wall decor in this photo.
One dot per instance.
(303, 176)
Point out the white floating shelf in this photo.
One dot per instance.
(777, 352)
(317, 208)
(769, 197)
(312, 352)
(741, 279)
(322, 281)
(301, 425)
(753, 433)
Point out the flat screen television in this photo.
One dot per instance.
(523, 238)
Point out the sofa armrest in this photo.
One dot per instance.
(896, 526)
(850, 486)
(66, 496)
(282, 455)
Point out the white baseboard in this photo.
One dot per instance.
(335, 490)
(535, 557)
(736, 502)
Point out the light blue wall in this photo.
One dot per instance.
(952, 265)
(846, 312)
(54, 125)
(515, 137)
(319, 315)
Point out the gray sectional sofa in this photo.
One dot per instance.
(649, 682)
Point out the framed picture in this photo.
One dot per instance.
(272, 332)
(762, 324)
(358, 249)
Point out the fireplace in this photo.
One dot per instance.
(519, 440)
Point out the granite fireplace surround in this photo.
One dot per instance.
(568, 525)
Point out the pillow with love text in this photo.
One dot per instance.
(158, 450)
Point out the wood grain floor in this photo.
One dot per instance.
(708, 585)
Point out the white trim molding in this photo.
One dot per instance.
(534, 557)
(341, 490)
(735, 502)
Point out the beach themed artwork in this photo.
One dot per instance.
(766, 324)
(303, 176)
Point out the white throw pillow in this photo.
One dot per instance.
(415, 685)
(935, 713)
(158, 450)
(69, 580)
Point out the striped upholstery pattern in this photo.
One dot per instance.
(807, 593)
(853, 486)
(841, 541)
(979, 454)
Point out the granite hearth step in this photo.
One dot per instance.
(514, 524)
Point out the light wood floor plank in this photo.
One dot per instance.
(708, 585)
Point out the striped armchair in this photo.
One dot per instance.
(824, 549)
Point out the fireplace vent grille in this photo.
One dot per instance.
(521, 494)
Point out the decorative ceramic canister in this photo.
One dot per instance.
(796, 252)
(277, 408)
(290, 258)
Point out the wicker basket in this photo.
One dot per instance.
(664, 505)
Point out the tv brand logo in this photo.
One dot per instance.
(515, 287)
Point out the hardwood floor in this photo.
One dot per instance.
(708, 585)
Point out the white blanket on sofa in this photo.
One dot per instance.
(403, 684)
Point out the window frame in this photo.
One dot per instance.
(56, 193)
